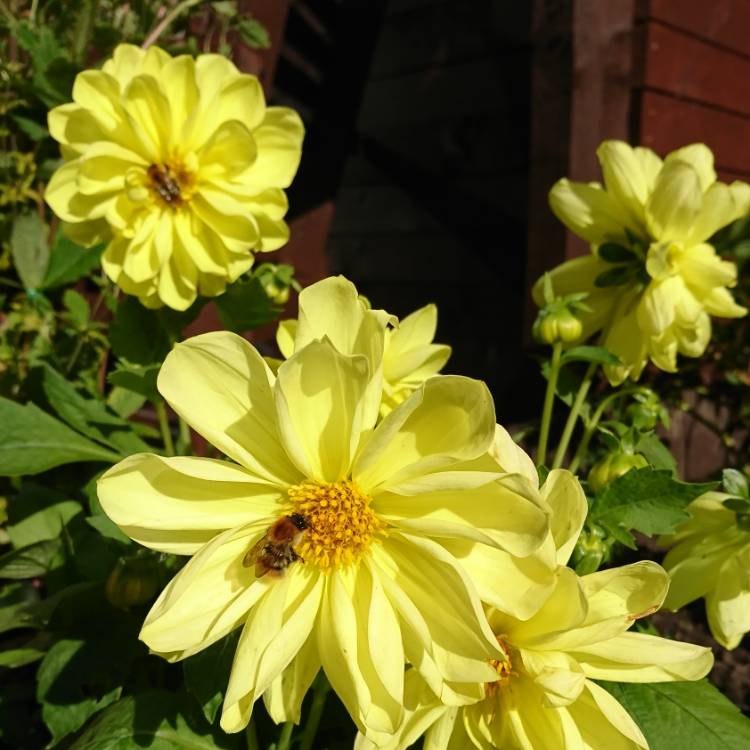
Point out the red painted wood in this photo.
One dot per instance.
(667, 123)
(724, 22)
(695, 69)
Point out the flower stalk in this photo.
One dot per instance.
(549, 399)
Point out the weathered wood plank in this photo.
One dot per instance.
(695, 69)
(667, 123)
(724, 22)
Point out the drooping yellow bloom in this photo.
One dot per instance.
(711, 558)
(375, 585)
(179, 166)
(409, 356)
(542, 696)
(649, 227)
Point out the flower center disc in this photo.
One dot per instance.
(341, 522)
(170, 184)
(504, 670)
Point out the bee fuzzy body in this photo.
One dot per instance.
(274, 553)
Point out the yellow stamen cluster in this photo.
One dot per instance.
(504, 669)
(341, 522)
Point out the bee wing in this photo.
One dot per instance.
(254, 552)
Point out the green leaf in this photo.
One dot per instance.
(157, 720)
(734, 483)
(40, 42)
(69, 262)
(89, 415)
(31, 128)
(596, 354)
(137, 335)
(253, 33)
(78, 308)
(28, 242)
(43, 524)
(615, 276)
(32, 441)
(245, 305)
(656, 453)
(207, 674)
(614, 253)
(692, 715)
(33, 561)
(18, 601)
(646, 500)
(76, 679)
(107, 528)
(140, 379)
(19, 657)
(125, 402)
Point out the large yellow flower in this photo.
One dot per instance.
(542, 696)
(652, 279)
(178, 165)
(409, 356)
(711, 558)
(374, 585)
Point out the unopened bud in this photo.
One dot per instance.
(553, 326)
(133, 581)
(613, 466)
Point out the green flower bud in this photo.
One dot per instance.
(133, 581)
(557, 325)
(613, 466)
(591, 550)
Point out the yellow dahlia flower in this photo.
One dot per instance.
(710, 557)
(542, 696)
(179, 166)
(409, 356)
(370, 583)
(652, 278)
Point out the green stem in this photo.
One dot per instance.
(166, 434)
(156, 32)
(592, 424)
(285, 736)
(570, 424)
(320, 693)
(184, 442)
(549, 400)
(251, 738)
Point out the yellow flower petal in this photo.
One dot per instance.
(230, 150)
(414, 440)
(722, 204)
(221, 386)
(208, 598)
(563, 493)
(491, 514)
(624, 178)
(283, 699)
(275, 631)
(720, 303)
(675, 202)
(345, 644)
(183, 92)
(636, 657)
(319, 402)
(728, 603)
(511, 457)
(700, 158)
(148, 110)
(285, 335)
(560, 616)
(526, 582)
(177, 504)
(415, 573)
(588, 211)
(279, 138)
(602, 721)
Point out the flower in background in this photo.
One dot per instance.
(409, 356)
(710, 558)
(369, 583)
(542, 696)
(178, 166)
(653, 280)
